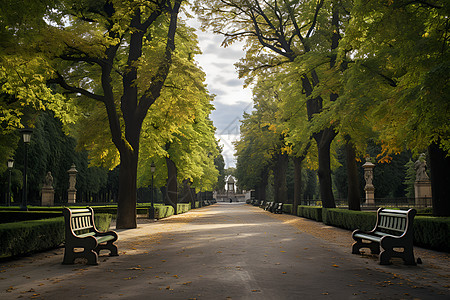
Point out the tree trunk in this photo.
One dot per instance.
(297, 183)
(262, 186)
(352, 176)
(323, 140)
(440, 180)
(172, 186)
(280, 185)
(126, 203)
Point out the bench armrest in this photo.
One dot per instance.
(113, 233)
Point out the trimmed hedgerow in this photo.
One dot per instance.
(349, 219)
(20, 238)
(164, 211)
(432, 232)
(287, 208)
(7, 216)
(429, 232)
(310, 212)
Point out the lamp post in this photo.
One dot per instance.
(10, 166)
(26, 135)
(152, 210)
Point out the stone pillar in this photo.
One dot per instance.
(422, 189)
(72, 191)
(47, 192)
(422, 186)
(368, 176)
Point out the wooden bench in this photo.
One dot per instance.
(278, 208)
(394, 229)
(80, 232)
(268, 206)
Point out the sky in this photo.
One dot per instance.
(222, 79)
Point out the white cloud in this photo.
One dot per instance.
(222, 79)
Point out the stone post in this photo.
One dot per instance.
(422, 186)
(368, 176)
(72, 191)
(47, 192)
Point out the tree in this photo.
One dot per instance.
(99, 45)
(305, 34)
(400, 62)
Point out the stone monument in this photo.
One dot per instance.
(47, 192)
(72, 191)
(422, 185)
(368, 176)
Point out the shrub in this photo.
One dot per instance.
(7, 216)
(349, 219)
(432, 232)
(20, 238)
(310, 212)
(287, 208)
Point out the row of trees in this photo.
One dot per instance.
(330, 73)
(122, 78)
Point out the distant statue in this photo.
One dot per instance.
(421, 168)
(48, 182)
(368, 174)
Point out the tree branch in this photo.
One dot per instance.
(72, 89)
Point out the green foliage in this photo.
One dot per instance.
(9, 216)
(400, 65)
(20, 238)
(52, 150)
(30, 236)
(432, 232)
(410, 178)
(310, 212)
(164, 211)
(349, 219)
(429, 232)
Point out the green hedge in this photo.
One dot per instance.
(310, 212)
(164, 211)
(20, 238)
(429, 232)
(349, 219)
(432, 232)
(19, 216)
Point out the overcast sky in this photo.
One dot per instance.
(222, 79)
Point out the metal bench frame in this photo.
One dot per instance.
(394, 229)
(80, 232)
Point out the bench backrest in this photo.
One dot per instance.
(79, 220)
(395, 222)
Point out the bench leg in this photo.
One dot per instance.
(91, 256)
(408, 257)
(385, 257)
(108, 246)
(70, 255)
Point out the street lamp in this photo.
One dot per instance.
(10, 166)
(26, 134)
(152, 210)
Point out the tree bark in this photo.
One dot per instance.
(297, 183)
(352, 176)
(126, 212)
(323, 140)
(262, 186)
(172, 186)
(280, 185)
(440, 179)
